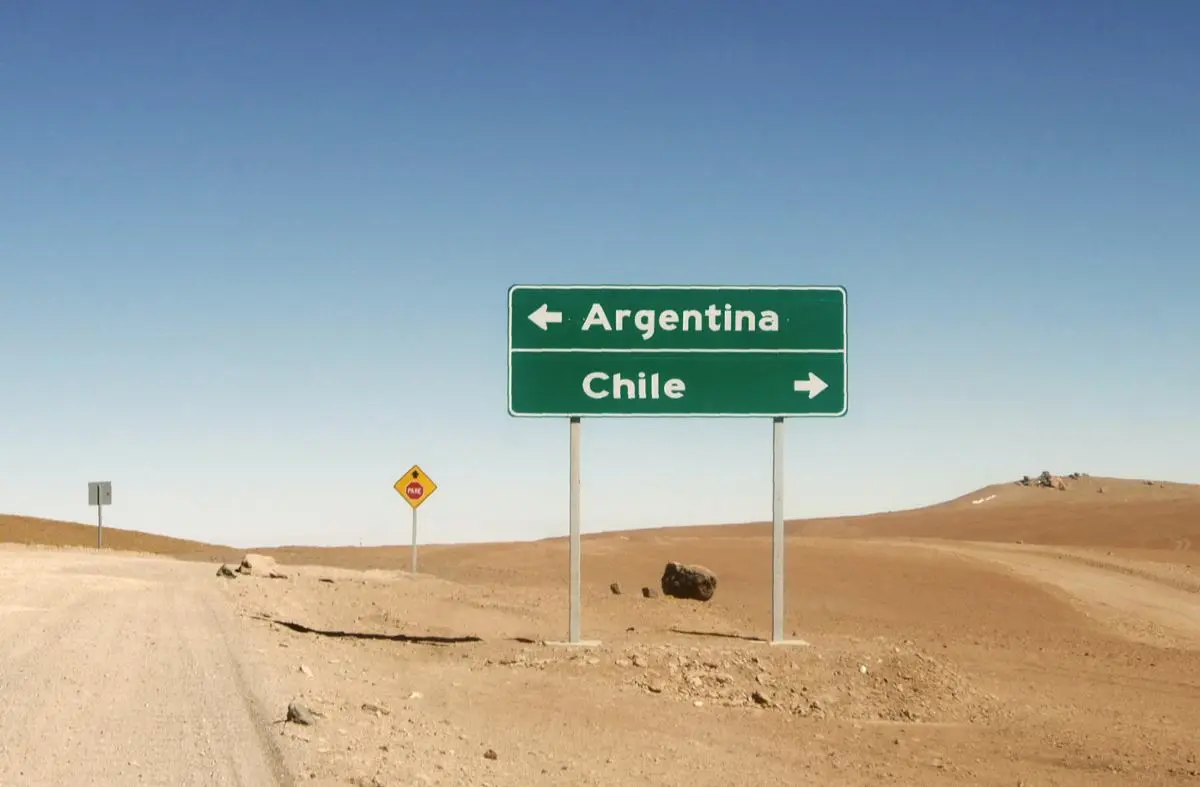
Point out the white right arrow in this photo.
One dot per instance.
(542, 317)
(814, 385)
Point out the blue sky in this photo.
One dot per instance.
(254, 257)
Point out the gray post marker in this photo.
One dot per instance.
(778, 539)
(414, 541)
(574, 636)
(99, 522)
(777, 534)
(574, 633)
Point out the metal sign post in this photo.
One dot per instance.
(99, 495)
(574, 633)
(413, 568)
(678, 351)
(778, 536)
(415, 487)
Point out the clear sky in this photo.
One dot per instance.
(254, 257)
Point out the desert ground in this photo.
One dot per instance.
(1023, 634)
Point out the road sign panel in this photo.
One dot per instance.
(677, 351)
(99, 493)
(414, 486)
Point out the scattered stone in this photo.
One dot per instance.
(639, 661)
(226, 571)
(325, 579)
(378, 710)
(615, 588)
(490, 754)
(276, 575)
(299, 714)
(688, 582)
(760, 698)
(362, 781)
(649, 592)
(306, 670)
(257, 565)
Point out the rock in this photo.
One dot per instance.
(688, 582)
(760, 698)
(1048, 481)
(306, 671)
(276, 575)
(257, 565)
(490, 754)
(227, 572)
(649, 592)
(299, 714)
(615, 588)
(378, 710)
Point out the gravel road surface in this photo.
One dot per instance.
(121, 670)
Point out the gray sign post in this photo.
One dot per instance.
(678, 351)
(415, 487)
(99, 495)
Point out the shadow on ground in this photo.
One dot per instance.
(717, 634)
(413, 639)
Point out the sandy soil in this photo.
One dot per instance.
(996, 667)
(942, 651)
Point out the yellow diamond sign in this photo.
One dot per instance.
(415, 487)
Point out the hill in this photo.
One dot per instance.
(1073, 510)
(15, 529)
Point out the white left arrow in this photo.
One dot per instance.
(814, 385)
(542, 317)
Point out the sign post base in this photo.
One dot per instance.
(582, 643)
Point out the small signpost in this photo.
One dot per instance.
(415, 487)
(99, 495)
(677, 351)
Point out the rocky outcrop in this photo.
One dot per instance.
(1049, 481)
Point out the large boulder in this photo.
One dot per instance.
(691, 582)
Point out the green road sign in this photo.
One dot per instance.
(676, 351)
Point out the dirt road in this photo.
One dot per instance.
(1159, 605)
(116, 670)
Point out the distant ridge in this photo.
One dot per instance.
(1073, 509)
(1073, 488)
(16, 529)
